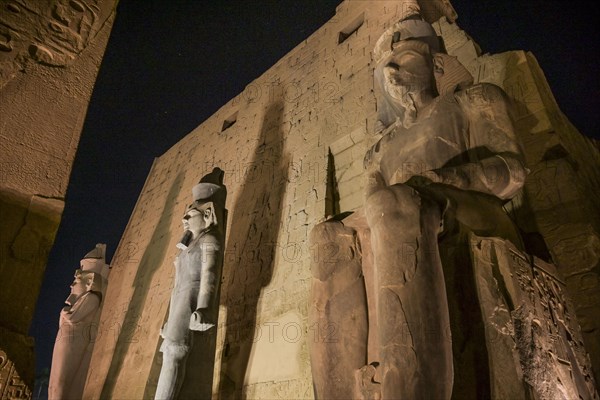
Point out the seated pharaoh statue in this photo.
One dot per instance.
(404, 302)
(447, 156)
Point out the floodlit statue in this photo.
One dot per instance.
(447, 153)
(194, 303)
(77, 327)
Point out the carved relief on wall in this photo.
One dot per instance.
(11, 385)
(50, 32)
(530, 311)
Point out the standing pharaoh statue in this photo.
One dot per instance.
(447, 154)
(77, 327)
(194, 299)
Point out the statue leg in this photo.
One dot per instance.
(338, 311)
(172, 370)
(413, 320)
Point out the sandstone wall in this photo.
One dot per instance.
(559, 210)
(50, 53)
(283, 143)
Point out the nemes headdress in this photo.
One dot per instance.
(410, 28)
(93, 263)
(449, 73)
(209, 197)
(210, 188)
(204, 191)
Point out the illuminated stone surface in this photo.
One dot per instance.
(292, 147)
(50, 53)
(194, 301)
(429, 169)
(77, 327)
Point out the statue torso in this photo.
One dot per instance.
(438, 136)
(188, 277)
(442, 134)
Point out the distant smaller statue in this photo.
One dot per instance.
(77, 327)
(194, 299)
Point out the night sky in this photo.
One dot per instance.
(169, 65)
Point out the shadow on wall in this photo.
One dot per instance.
(151, 261)
(250, 250)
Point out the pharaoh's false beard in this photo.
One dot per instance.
(185, 240)
(403, 96)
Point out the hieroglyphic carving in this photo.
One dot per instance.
(11, 385)
(549, 316)
(538, 318)
(51, 32)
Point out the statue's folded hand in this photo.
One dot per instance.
(419, 181)
(199, 320)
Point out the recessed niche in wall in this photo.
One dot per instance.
(228, 123)
(351, 28)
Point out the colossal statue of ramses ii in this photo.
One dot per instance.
(77, 327)
(447, 154)
(194, 303)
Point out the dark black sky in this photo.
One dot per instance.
(169, 65)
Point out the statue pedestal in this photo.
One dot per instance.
(533, 339)
(513, 329)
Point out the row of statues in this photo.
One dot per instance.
(193, 306)
(385, 289)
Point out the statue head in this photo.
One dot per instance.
(206, 212)
(408, 70)
(412, 64)
(91, 276)
(405, 68)
(81, 283)
(199, 216)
